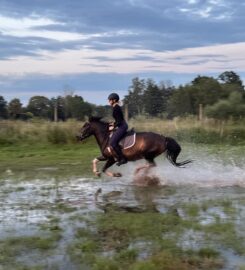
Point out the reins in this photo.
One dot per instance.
(105, 141)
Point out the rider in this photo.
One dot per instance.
(121, 126)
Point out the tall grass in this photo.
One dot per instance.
(190, 129)
(183, 129)
(38, 131)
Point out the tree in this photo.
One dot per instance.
(230, 77)
(206, 90)
(76, 107)
(230, 82)
(153, 99)
(181, 102)
(102, 111)
(40, 106)
(15, 108)
(3, 108)
(59, 105)
(134, 99)
(234, 107)
(167, 90)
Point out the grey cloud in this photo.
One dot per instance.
(158, 25)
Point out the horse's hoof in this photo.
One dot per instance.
(117, 174)
(98, 174)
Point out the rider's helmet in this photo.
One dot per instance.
(114, 96)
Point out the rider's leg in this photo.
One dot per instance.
(121, 158)
(117, 135)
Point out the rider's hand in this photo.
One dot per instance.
(111, 128)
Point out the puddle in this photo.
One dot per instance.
(215, 186)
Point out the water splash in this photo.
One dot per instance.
(219, 169)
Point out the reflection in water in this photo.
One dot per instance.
(26, 206)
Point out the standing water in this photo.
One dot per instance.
(82, 223)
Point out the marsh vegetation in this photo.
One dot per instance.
(55, 215)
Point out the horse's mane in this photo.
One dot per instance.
(97, 119)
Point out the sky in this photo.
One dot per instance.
(92, 48)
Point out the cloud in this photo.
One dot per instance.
(191, 2)
(220, 10)
(32, 27)
(199, 59)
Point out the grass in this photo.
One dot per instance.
(116, 240)
(118, 234)
(38, 159)
(152, 240)
(41, 146)
(189, 129)
(11, 248)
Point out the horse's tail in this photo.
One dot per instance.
(173, 150)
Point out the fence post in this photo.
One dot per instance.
(56, 111)
(200, 112)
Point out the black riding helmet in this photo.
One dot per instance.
(113, 96)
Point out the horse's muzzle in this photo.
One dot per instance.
(79, 138)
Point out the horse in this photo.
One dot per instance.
(148, 145)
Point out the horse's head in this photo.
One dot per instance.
(89, 128)
(86, 131)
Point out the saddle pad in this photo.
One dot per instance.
(128, 141)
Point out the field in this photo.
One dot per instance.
(56, 215)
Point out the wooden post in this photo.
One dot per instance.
(56, 111)
(200, 112)
(221, 131)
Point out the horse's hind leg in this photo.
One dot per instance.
(150, 164)
(108, 164)
(145, 178)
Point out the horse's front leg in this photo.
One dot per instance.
(108, 164)
(95, 161)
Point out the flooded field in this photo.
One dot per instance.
(193, 219)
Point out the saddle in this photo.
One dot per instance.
(128, 140)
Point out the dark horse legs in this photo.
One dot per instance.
(108, 164)
(150, 163)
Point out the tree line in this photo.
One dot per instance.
(222, 97)
(59, 108)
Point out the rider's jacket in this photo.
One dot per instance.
(118, 116)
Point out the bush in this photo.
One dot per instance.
(56, 135)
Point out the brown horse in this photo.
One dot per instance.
(148, 146)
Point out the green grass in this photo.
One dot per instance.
(42, 146)
(58, 160)
(10, 248)
(118, 234)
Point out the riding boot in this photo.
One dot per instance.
(121, 158)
